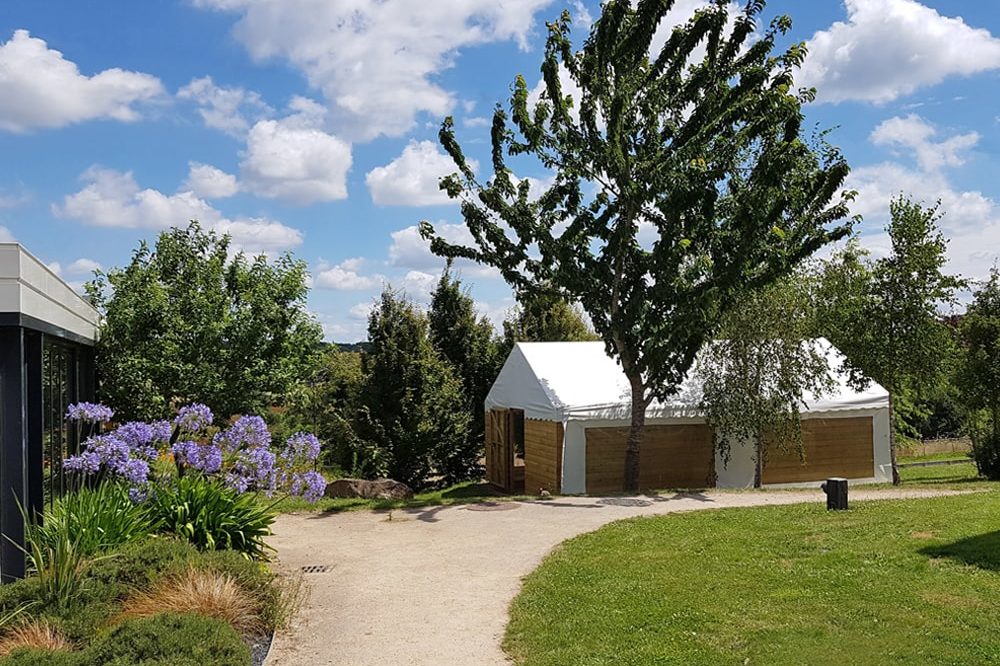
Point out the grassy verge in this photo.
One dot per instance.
(934, 457)
(901, 582)
(462, 493)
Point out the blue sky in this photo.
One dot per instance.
(310, 125)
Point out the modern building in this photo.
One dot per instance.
(558, 419)
(47, 337)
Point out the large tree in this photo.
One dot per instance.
(188, 320)
(468, 343)
(680, 182)
(413, 411)
(758, 373)
(980, 375)
(885, 314)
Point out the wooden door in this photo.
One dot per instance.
(500, 449)
(830, 447)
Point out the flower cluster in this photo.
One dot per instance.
(193, 418)
(241, 455)
(89, 412)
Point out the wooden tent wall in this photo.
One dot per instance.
(831, 447)
(543, 444)
(671, 456)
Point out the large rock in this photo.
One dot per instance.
(384, 489)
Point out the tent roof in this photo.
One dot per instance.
(559, 381)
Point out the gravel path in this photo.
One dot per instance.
(432, 586)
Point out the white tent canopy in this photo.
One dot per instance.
(570, 381)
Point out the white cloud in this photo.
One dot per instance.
(890, 48)
(412, 178)
(210, 182)
(476, 121)
(376, 61)
(41, 89)
(9, 199)
(916, 134)
(83, 266)
(228, 109)
(112, 198)
(294, 160)
(6, 236)
(409, 250)
(361, 310)
(971, 219)
(418, 285)
(345, 277)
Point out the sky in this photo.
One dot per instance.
(310, 126)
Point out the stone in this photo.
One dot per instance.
(384, 489)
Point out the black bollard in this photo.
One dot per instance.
(836, 494)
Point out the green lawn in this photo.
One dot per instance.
(962, 476)
(891, 582)
(903, 459)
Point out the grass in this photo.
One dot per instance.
(933, 457)
(469, 492)
(964, 476)
(900, 582)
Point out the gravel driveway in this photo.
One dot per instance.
(431, 587)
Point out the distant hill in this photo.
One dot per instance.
(353, 346)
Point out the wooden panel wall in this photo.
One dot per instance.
(671, 456)
(832, 447)
(543, 443)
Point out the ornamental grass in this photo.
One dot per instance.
(204, 592)
(39, 635)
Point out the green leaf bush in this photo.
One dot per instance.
(212, 516)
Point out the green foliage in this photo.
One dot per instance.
(187, 322)
(328, 405)
(413, 404)
(168, 639)
(468, 344)
(212, 516)
(883, 314)
(702, 153)
(544, 317)
(979, 375)
(904, 582)
(32, 657)
(56, 559)
(96, 519)
(755, 375)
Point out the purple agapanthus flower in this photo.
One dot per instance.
(89, 412)
(87, 462)
(249, 431)
(193, 418)
(135, 471)
(140, 437)
(162, 431)
(203, 457)
(310, 485)
(302, 446)
(257, 467)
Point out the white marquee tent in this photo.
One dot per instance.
(578, 385)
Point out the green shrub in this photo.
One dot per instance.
(55, 559)
(211, 516)
(97, 519)
(138, 565)
(36, 657)
(169, 639)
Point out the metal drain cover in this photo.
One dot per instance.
(492, 506)
(315, 568)
(624, 501)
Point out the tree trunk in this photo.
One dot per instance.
(634, 437)
(758, 472)
(892, 444)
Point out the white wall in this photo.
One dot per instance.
(27, 286)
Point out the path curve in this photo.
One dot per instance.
(431, 587)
